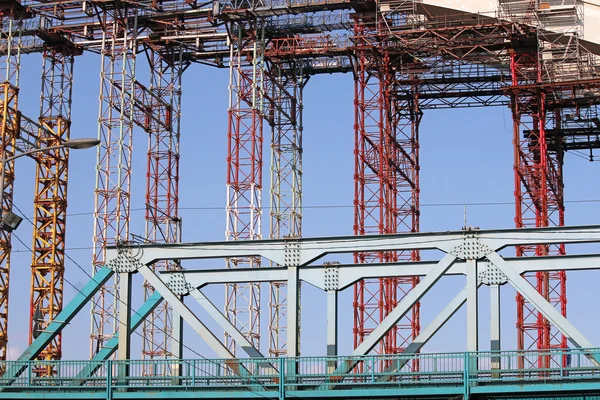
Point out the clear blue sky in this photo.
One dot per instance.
(466, 157)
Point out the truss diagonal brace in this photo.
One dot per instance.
(57, 325)
(231, 330)
(111, 346)
(397, 313)
(426, 334)
(180, 308)
(543, 306)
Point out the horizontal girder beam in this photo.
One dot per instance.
(348, 274)
(308, 250)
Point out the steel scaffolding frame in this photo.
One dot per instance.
(113, 179)
(539, 199)
(244, 170)
(163, 224)
(553, 55)
(10, 61)
(287, 82)
(50, 201)
(386, 183)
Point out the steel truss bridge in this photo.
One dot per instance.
(471, 253)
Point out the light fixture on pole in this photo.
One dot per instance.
(10, 221)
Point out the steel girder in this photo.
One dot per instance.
(471, 253)
(465, 254)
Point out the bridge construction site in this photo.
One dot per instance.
(538, 58)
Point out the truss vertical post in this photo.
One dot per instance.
(539, 201)
(177, 343)
(163, 224)
(50, 201)
(332, 329)
(495, 344)
(10, 45)
(472, 307)
(113, 177)
(386, 183)
(244, 170)
(124, 321)
(285, 117)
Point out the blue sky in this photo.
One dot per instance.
(466, 158)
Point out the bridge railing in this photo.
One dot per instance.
(309, 373)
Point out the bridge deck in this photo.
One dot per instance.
(571, 374)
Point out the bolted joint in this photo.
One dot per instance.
(291, 256)
(178, 285)
(491, 275)
(125, 261)
(471, 248)
(331, 278)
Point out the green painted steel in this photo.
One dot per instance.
(24, 363)
(111, 346)
(437, 375)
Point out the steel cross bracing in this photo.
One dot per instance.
(539, 199)
(386, 182)
(9, 131)
(23, 134)
(163, 224)
(247, 88)
(470, 253)
(118, 25)
(50, 202)
(284, 114)
(538, 155)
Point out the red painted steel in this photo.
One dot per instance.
(386, 187)
(539, 200)
(163, 224)
(244, 179)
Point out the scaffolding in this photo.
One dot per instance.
(244, 170)
(163, 224)
(10, 46)
(113, 179)
(386, 182)
(287, 82)
(50, 201)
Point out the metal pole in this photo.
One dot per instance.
(472, 315)
(495, 325)
(472, 307)
(332, 330)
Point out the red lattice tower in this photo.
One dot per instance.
(386, 186)
(163, 224)
(539, 199)
(244, 174)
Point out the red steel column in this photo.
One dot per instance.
(539, 202)
(386, 187)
